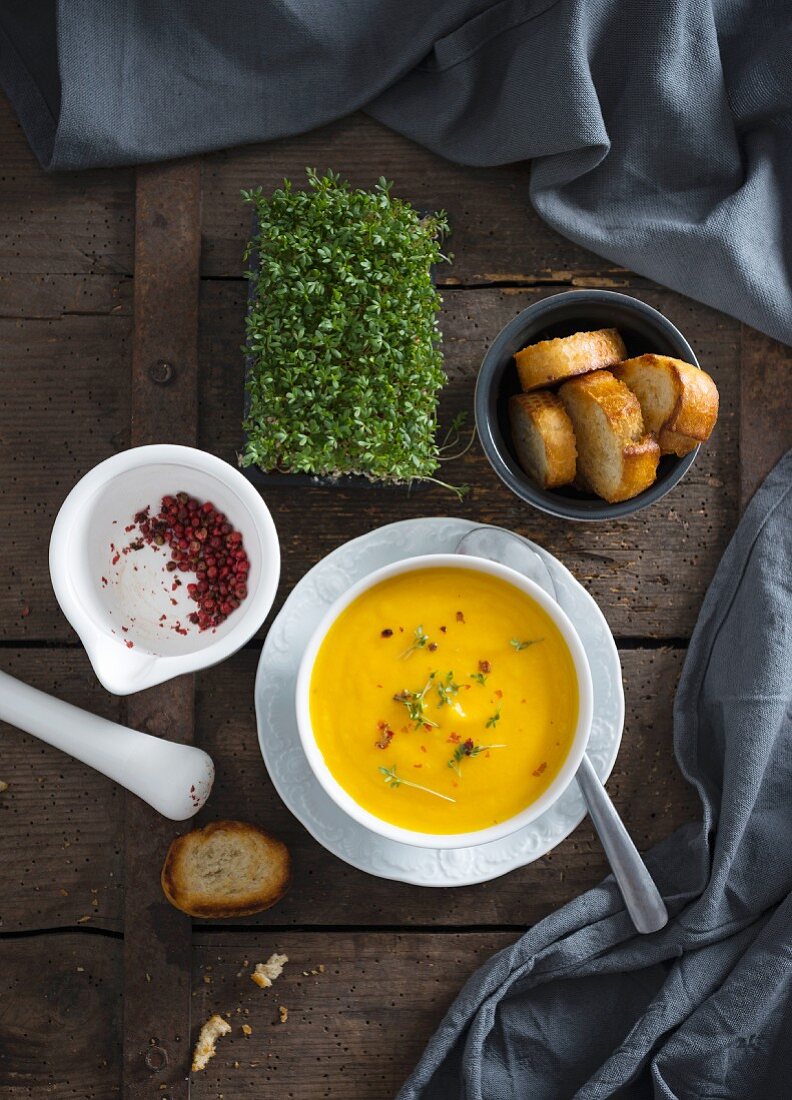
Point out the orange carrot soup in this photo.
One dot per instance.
(444, 700)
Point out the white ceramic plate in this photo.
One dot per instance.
(289, 768)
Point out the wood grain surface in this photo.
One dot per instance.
(79, 863)
(765, 408)
(496, 237)
(354, 1029)
(60, 1016)
(164, 409)
(72, 223)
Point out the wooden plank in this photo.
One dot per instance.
(167, 254)
(354, 1031)
(765, 408)
(70, 222)
(646, 786)
(60, 821)
(64, 407)
(56, 297)
(164, 408)
(60, 1017)
(648, 572)
(496, 235)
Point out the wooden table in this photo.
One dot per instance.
(102, 985)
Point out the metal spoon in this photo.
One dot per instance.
(641, 897)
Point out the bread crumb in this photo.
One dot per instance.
(266, 973)
(207, 979)
(82, 920)
(247, 1029)
(80, 969)
(283, 1013)
(3, 786)
(205, 1049)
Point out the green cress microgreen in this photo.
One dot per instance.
(415, 702)
(395, 781)
(479, 678)
(420, 641)
(493, 720)
(447, 690)
(342, 333)
(517, 645)
(468, 748)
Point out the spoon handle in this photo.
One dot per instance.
(641, 897)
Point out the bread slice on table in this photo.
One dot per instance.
(543, 438)
(226, 869)
(615, 456)
(552, 361)
(679, 402)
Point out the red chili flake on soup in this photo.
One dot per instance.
(385, 737)
(202, 542)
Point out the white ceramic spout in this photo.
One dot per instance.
(121, 670)
(175, 779)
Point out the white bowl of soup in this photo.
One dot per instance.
(444, 701)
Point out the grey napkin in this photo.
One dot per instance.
(660, 130)
(583, 1006)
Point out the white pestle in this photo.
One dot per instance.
(175, 779)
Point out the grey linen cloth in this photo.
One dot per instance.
(660, 130)
(583, 1006)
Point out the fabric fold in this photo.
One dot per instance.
(659, 134)
(582, 1005)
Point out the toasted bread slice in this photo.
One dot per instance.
(543, 438)
(673, 443)
(679, 402)
(615, 455)
(226, 869)
(552, 361)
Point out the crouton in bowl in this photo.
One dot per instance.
(591, 405)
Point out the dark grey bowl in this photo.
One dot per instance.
(643, 329)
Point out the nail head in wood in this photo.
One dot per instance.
(162, 372)
(156, 1058)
